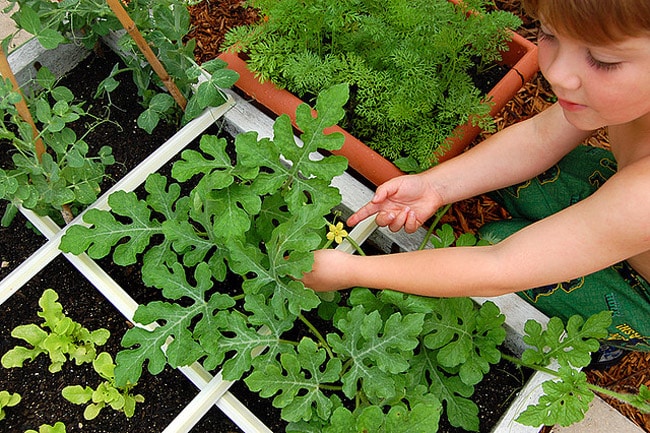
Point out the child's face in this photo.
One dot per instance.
(597, 85)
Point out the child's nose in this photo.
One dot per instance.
(563, 70)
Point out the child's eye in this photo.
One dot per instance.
(602, 66)
(544, 36)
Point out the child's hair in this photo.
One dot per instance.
(597, 22)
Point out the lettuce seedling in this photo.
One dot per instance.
(7, 399)
(106, 394)
(58, 427)
(58, 336)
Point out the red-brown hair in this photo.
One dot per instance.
(597, 22)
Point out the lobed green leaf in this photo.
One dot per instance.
(564, 402)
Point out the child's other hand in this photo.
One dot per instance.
(403, 202)
(329, 271)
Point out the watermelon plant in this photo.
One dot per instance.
(255, 212)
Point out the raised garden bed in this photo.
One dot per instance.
(26, 282)
(215, 395)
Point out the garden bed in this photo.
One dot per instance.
(65, 279)
(39, 241)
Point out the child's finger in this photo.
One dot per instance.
(363, 213)
(399, 220)
(412, 224)
(384, 218)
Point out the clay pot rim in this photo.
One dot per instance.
(521, 57)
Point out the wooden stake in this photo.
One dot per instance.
(23, 111)
(21, 106)
(144, 47)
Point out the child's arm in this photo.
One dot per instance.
(603, 229)
(513, 155)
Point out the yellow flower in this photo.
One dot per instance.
(336, 233)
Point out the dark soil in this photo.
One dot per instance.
(166, 394)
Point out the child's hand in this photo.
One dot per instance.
(403, 202)
(329, 271)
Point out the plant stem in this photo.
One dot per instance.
(330, 387)
(355, 245)
(439, 216)
(318, 335)
(520, 363)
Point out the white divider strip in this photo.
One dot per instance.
(359, 234)
(528, 395)
(216, 391)
(210, 392)
(27, 269)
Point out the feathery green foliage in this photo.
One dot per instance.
(409, 64)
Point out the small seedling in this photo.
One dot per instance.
(59, 427)
(7, 399)
(106, 394)
(58, 336)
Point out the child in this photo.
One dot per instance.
(579, 240)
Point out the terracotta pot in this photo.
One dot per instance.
(521, 57)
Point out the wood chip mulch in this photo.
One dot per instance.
(210, 20)
(626, 376)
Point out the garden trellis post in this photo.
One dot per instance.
(21, 106)
(144, 47)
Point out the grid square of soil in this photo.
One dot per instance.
(130, 144)
(166, 394)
